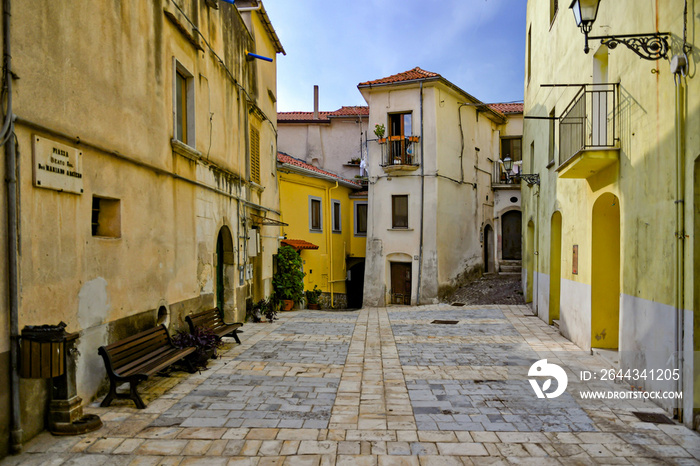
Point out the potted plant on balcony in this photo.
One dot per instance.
(379, 130)
(312, 298)
(289, 279)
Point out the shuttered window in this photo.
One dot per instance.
(254, 155)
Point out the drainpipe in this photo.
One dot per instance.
(329, 241)
(422, 197)
(12, 240)
(680, 234)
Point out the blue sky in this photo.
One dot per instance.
(479, 45)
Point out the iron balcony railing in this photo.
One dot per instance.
(400, 150)
(589, 121)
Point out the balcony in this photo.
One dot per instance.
(588, 139)
(400, 153)
(502, 180)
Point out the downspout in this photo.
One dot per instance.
(422, 197)
(329, 241)
(7, 133)
(680, 235)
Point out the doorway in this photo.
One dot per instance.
(605, 273)
(555, 267)
(224, 258)
(511, 230)
(400, 283)
(355, 285)
(488, 250)
(530, 262)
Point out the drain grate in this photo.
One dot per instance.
(458, 304)
(445, 322)
(656, 418)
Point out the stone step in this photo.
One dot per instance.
(510, 268)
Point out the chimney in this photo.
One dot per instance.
(316, 102)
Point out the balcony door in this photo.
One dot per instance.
(599, 99)
(400, 128)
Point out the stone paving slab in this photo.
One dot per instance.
(380, 386)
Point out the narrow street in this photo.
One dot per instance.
(422, 385)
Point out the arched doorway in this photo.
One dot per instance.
(605, 273)
(511, 232)
(530, 261)
(488, 250)
(224, 258)
(554, 267)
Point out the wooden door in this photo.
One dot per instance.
(511, 225)
(400, 283)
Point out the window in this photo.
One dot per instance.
(106, 217)
(552, 139)
(254, 154)
(183, 104)
(531, 168)
(511, 147)
(399, 211)
(400, 129)
(315, 215)
(361, 218)
(337, 224)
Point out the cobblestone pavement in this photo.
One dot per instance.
(380, 386)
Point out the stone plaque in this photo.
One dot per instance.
(57, 166)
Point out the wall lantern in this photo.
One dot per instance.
(529, 178)
(648, 46)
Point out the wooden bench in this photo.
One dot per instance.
(213, 320)
(136, 358)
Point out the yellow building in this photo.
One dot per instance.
(146, 189)
(327, 223)
(612, 229)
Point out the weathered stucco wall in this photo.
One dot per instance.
(98, 78)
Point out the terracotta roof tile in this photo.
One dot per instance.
(298, 244)
(302, 116)
(351, 111)
(288, 159)
(323, 116)
(410, 75)
(507, 108)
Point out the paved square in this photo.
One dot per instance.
(379, 386)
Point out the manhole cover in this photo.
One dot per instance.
(656, 418)
(445, 322)
(458, 304)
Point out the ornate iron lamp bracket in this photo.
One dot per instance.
(530, 178)
(647, 46)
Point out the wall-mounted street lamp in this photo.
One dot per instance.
(648, 46)
(529, 178)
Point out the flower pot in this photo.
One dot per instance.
(313, 307)
(287, 304)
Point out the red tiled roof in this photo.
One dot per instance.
(360, 193)
(302, 116)
(410, 75)
(507, 108)
(323, 116)
(298, 244)
(288, 159)
(351, 111)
